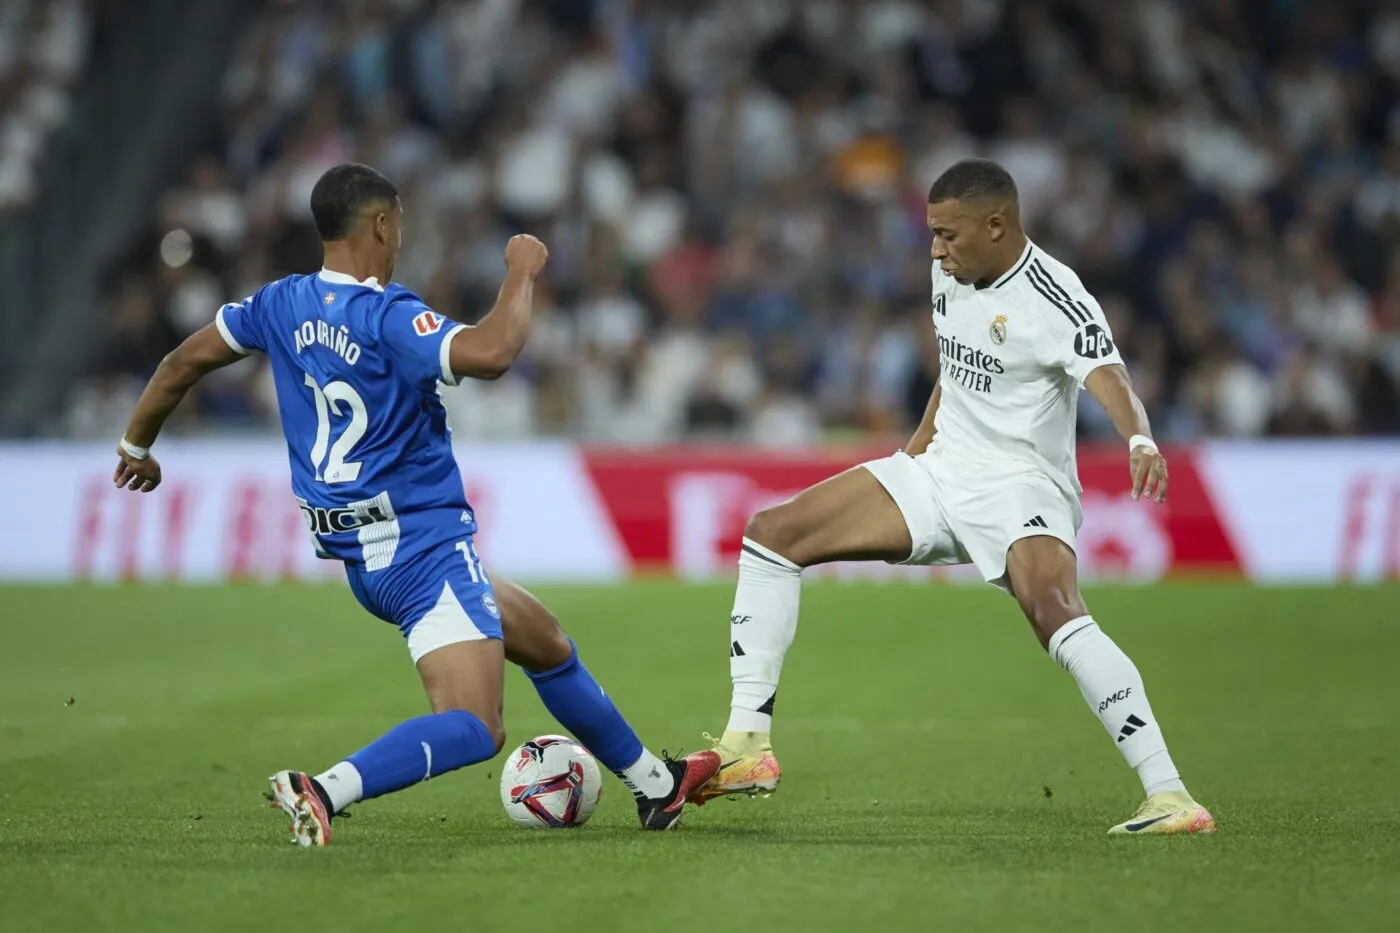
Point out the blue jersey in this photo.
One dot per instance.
(357, 367)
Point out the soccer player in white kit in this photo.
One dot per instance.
(988, 478)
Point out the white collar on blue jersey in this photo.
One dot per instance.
(343, 278)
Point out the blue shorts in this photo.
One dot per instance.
(436, 598)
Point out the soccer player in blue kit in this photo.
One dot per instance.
(357, 362)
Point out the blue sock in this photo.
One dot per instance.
(574, 698)
(421, 748)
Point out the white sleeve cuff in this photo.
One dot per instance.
(1082, 374)
(227, 334)
(445, 355)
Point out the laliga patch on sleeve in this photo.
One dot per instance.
(1092, 342)
(427, 323)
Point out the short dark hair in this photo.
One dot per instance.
(971, 179)
(342, 193)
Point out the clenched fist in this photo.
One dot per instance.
(526, 254)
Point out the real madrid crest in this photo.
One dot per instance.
(999, 330)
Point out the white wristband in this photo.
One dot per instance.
(1142, 440)
(134, 452)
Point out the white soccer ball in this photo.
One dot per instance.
(551, 782)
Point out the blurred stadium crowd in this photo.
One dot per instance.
(43, 45)
(733, 195)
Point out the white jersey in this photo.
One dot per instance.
(1013, 358)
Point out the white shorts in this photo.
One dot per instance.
(961, 516)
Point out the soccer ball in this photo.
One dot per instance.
(551, 781)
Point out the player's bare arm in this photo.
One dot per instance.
(487, 350)
(1113, 389)
(923, 434)
(202, 352)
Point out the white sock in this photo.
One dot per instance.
(1113, 689)
(761, 630)
(342, 784)
(648, 777)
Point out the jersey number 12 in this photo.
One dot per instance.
(328, 402)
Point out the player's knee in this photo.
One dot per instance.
(490, 719)
(533, 637)
(775, 529)
(555, 649)
(1049, 608)
(552, 646)
(544, 646)
(765, 527)
(497, 730)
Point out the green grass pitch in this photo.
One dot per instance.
(940, 772)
